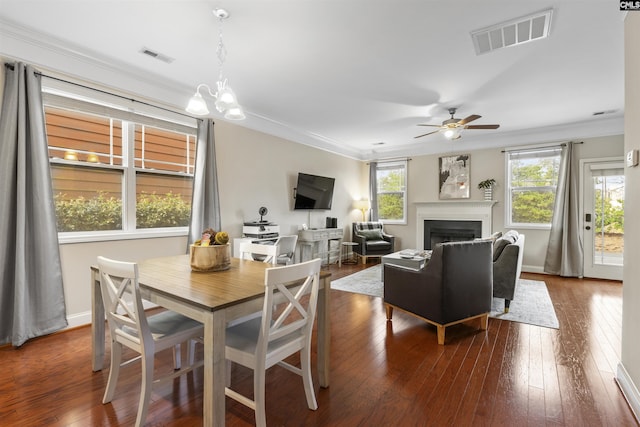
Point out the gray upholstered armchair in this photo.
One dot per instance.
(454, 287)
(507, 265)
(371, 239)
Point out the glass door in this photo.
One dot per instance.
(603, 220)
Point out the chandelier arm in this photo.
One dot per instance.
(201, 85)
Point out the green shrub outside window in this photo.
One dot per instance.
(91, 174)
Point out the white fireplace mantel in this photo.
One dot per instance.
(459, 210)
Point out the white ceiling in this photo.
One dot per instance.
(345, 75)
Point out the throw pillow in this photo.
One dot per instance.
(375, 234)
(509, 237)
(499, 246)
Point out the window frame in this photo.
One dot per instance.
(130, 118)
(394, 164)
(509, 188)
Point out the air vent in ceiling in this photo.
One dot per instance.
(511, 33)
(601, 113)
(156, 55)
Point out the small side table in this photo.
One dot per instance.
(347, 253)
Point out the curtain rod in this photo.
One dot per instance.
(539, 148)
(39, 73)
(391, 159)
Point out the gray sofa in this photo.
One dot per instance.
(454, 287)
(507, 265)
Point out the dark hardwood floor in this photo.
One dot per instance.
(382, 374)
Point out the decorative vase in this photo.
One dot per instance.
(488, 193)
(210, 258)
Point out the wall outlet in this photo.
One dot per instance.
(632, 158)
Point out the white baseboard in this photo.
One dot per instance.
(533, 269)
(79, 319)
(629, 390)
(84, 318)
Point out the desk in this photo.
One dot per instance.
(213, 298)
(318, 241)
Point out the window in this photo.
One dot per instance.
(391, 178)
(117, 171)
(532, 179)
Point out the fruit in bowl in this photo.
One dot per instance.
(211, 252)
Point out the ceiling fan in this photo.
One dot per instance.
(451, 128)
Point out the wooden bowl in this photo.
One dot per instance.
(210, 258)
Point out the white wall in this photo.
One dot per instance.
(254, 169)
(629, 369)
(423, 187)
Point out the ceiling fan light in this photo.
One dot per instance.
(452, 133)
(197, 105)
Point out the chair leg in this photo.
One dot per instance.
(507, 302)
(484, 322)
(191, 352)
(114, 371)
(389, 311)
(259, 397)
(305, 363)
(145, 390)
(177, 357)
(440, 329)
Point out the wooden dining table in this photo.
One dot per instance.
(213, 298)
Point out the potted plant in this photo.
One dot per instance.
(487, 186)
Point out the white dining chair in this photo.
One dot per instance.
(282, 330)
(130, 326)
(269, 253)
(286, 249)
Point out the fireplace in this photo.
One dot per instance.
(439, 231)
(456, 213)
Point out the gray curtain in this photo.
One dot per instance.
(31, 290)
(373, 190)
(565, 249)
(205, 201)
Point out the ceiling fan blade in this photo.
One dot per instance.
(424, 124)
(420, 136)
(469, 119)
(482, 127)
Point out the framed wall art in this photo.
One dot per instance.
(454, 176)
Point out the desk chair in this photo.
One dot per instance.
(280, 332)
(270, 252)
(129, 326)
(286, 249)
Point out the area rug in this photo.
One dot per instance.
(531, 304)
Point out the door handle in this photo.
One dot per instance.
(588, 227)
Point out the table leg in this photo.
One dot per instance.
(97, 322)
(214, 369)
(324, 332)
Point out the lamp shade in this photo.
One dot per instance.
(362, 205)
(225, 98)
(197, 105)
(234, 113)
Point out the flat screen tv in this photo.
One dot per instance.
(313, 192)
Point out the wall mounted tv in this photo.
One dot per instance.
(314, 192)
